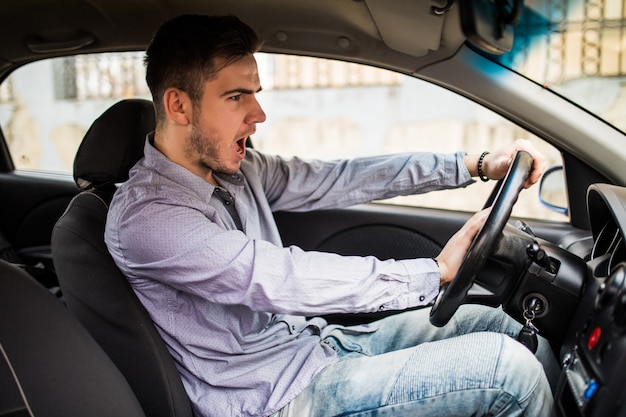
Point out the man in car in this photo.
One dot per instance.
(192, 229)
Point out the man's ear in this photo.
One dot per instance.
(177, 106)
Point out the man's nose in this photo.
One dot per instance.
(256, 114)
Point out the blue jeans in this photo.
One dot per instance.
(470, 367)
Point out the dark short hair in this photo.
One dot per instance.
(183, 51)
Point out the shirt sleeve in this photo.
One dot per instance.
(179, 247)
(300, 185)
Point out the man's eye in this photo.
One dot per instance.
(235, 98)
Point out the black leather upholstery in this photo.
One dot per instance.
(49, 364)
(93, 287)
(113, 144)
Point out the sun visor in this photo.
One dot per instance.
(411, 27)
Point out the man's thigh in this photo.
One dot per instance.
(412, 328)
(481, 373)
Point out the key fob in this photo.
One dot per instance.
(528, 337)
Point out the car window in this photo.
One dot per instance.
(315, 108)
(47, 106)
(328, 109)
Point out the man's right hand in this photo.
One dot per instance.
(451, 256)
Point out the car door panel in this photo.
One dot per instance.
(397, 232)
(32, 205)
(379, 230)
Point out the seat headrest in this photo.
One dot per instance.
(113, 144)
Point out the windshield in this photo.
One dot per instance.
(577, 49)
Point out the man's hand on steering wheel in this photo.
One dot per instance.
(451, 256)
(496, 164)
(495, 167)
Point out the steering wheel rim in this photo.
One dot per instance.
(450, 297)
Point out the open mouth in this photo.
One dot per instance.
(240, 146)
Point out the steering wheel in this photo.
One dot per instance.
(450, 297)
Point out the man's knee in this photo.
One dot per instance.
(522, 375)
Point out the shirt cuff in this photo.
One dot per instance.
(423, 284)
(464, 178)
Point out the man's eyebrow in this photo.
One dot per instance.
(241, 91)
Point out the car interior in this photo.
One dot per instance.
(75, 340)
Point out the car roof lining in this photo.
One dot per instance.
(366, 31)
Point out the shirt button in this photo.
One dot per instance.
(382, 308)
(227, 203)
(422, 298)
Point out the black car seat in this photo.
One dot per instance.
(49, 364)
(93, 287)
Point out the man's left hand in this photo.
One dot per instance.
(495, 165)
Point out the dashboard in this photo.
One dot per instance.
(593, 379)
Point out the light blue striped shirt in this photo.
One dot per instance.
(231, 304)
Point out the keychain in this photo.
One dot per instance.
(528, 335)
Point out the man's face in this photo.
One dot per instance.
(227, 115)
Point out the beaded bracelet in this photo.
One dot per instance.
(480, 167)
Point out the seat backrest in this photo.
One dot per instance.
(94, 289)
(49, 364)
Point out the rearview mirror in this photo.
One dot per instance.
(488, 24)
